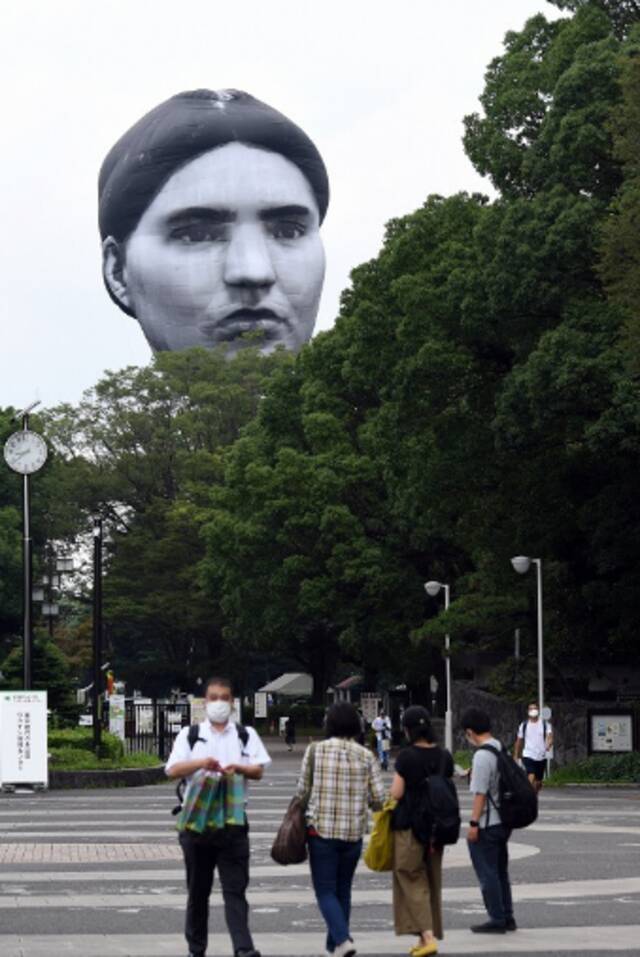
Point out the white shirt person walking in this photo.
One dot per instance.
(534, 741)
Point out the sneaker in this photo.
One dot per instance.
(511, 924)
(489, 928)
(247, 953)
(346, 949)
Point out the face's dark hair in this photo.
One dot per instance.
(476, 720)
(217, 680)
(532, 704)
(342, 721)
(417, 723)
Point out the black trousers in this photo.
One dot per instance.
(228, 850)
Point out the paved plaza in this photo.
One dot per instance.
(99, 874)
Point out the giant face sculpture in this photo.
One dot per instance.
(210, 208)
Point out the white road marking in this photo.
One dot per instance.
(597, 940)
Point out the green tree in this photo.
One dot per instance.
(143, 449)
(459, 411)
(51, 673)
(620, 243)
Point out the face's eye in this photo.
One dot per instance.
(286, 229)
(199, 233)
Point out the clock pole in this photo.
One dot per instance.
(25, 452)
(27, 566)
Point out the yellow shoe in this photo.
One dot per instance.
(423, 950)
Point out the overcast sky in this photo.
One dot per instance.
(381, 88)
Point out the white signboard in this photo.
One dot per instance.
(370, 705)
(260, 704)
(611, 732)
(23, 738)
(116, 715)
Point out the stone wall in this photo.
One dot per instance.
(569, 721)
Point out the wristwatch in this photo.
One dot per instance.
(473, 824)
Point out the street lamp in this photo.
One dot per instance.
(522, 564)
(433, 589)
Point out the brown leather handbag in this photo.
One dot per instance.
(290, 844)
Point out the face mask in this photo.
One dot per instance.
(218, 712)
(534, 713)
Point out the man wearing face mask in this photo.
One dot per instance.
(535, 739)
(487, 836)
(213, 824)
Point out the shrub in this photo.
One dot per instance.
(624, 768)
(79, 759)
(81, 739)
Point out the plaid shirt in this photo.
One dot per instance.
(339, 779)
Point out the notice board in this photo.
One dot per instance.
(23, 738)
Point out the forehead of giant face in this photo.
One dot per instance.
(216, 692)
(239, 179)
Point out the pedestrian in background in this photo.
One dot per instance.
(339, 780)
(487, 836)
(417, 870)
(382, 727)
(290, 733)
(534, 740)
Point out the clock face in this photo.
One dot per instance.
(25, 452)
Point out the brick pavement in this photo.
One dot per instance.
(86, 853)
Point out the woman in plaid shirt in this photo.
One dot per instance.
(339, 780)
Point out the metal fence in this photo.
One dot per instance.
(151, 725)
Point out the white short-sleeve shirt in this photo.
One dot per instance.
(224, 745)
(534, 739)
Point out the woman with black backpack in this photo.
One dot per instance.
(418, 845)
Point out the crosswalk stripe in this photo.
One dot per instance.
(598, 940)
(293, 896)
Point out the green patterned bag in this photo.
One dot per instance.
(212, 802)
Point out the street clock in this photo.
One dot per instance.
(25, 452)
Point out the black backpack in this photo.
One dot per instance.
(193, 735)
(518, 802)
(434, 809)
(523, 729)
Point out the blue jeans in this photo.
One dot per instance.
(333, 864)
(490, 859)
(383, 756)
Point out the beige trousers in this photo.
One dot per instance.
(417, 887)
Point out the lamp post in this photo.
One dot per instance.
(522, 564)
(433, 589)
(97, 630)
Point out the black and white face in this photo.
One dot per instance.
(229, 247)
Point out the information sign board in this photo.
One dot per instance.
(260, 704)
(611, 732)
(370, 705)
(116, 715)
(23, 738)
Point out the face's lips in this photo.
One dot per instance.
(243, 320)
(247, 314)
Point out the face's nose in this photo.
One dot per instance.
(248, 261)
